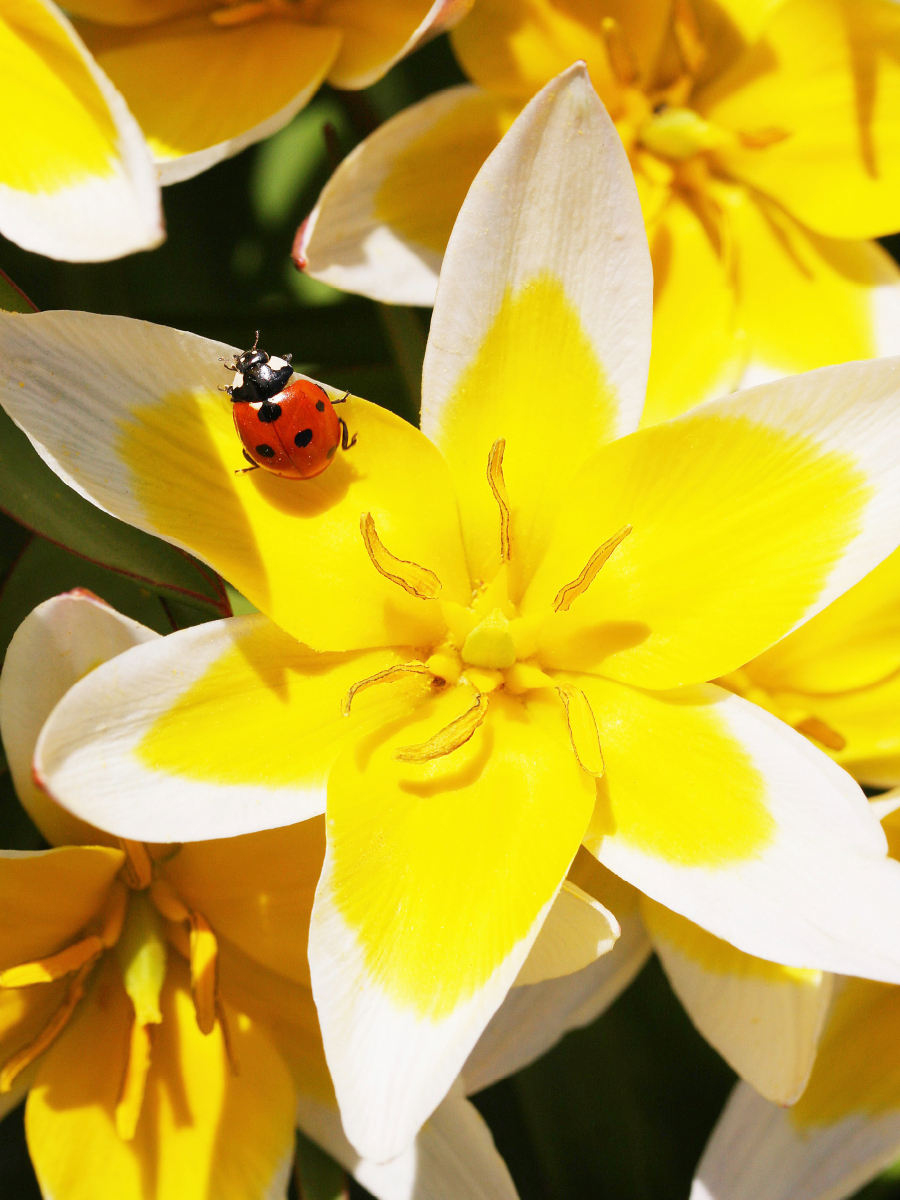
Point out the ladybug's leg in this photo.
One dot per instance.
(245, 470)
(346, 440)
(343, 399)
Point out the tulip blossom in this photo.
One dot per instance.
(846, 1126)
(76, 177)
(154, 1000)
(765, 145)
(487, 643)
(205, 78)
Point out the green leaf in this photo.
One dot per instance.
(318, 1176)
(32, 494)
(44, 569)
(12, 298)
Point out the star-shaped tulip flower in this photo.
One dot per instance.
(845, 1127)
(764, 144)
(154, 1000)
(76, 177)
(489, 642)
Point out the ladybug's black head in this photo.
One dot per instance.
(258, 375)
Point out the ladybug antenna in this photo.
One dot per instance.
(255, 341)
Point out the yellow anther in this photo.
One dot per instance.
(389, 675)
(490, 644)
(416, 580)
(583, 731)
(450, 738)
(45, 970)
(204, 972)
(134, 1081)
(759, 139)
(498, 487)
(141, 951)
(138, 868)
(621, 59)
(167, 901)
(48, 1035)
(566, 595)
(525, 677)
(445, 664)
(687, 36)
(814, 728)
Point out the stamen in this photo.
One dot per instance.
(566, 595)
(131, 1093)
(55, 966)
(138, 868)
(204, 972)
(48, 1035)
(498, 487)
(621, 59)
(687, 36)
(583, 731)
(759, 139)
(416, 580)
(814, 728)
(450, 738)
(389, 675)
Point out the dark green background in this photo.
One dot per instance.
(619, 1111)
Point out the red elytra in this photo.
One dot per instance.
(294, 434)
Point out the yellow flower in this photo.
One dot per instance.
(154, 1000)
(76, 177)
(204, 78)
(79, 175)
(764, 142)
(845, 1128)
(487, 643)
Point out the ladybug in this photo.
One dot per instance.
(290, 429)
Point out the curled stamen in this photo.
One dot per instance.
(566, 595)
(583, 732)
(824, 734)
(618, 51)
(204, 972)
(450, 738)
(498, 487)
(389, 675)
(416, 580)
(48, 1035)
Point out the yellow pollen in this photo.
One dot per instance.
(566, 595)
(583, 730)
(416, 580)
(390, 675)
(450, 738)
(490, 644)
(621, 59)
(498, 487)
(204, 972)
(48, 1035)
(134, 1081)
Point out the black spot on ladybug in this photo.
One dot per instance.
(265, 451)
(269, 412)
(331, 450)
(303, 438)
(320, 405)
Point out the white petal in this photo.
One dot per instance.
(578, 930)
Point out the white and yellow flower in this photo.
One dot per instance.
(76, 177)
(521, 608)
(764, 143)
(154, 1000)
